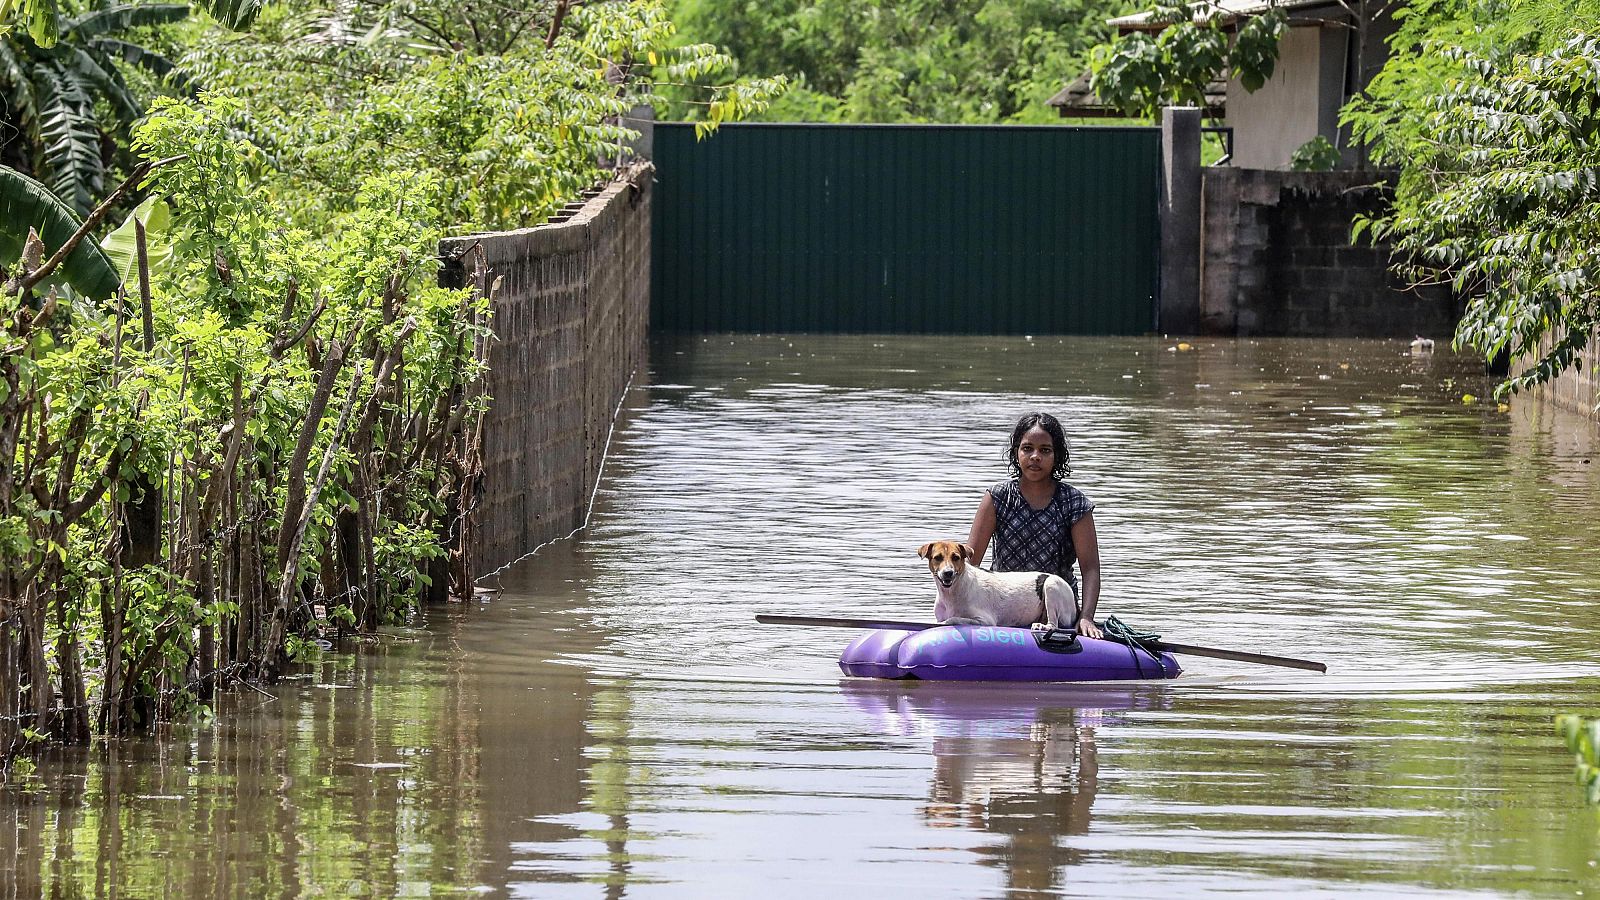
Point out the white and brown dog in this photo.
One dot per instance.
(969, 595)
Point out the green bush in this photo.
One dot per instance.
(1315, 155)
(272, 437)
(1487, 109)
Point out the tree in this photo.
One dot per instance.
(254, 418)
(1486, 108)
(899, 61)
(1503, 202)
(1139, 74)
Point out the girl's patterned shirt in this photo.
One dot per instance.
(1037, 540)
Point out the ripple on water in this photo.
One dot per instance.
(1365, 518)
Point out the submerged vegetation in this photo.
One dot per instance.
(247, 419)
(1583, 739)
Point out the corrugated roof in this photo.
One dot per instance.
(1227, 10)
(1078, 99)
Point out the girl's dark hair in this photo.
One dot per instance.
(1058, 437)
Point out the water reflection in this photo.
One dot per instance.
(279, 797)
(1023, 768)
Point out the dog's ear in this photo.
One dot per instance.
(923, 550)
(966, 552)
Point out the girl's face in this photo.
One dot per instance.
(1036, 455)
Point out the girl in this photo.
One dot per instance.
(1038, 522)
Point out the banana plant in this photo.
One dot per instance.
(42, 19)
(26, 205)
(54, 87)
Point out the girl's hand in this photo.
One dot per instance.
(1087, 628)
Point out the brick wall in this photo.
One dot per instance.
(571, 320)
(1276, 259)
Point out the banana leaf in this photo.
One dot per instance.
(238, 15)
(26, 203)
(119, 245)
(122, 17)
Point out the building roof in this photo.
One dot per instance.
(1225, 10)
(1078, 100)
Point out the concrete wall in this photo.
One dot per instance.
(571, 321)
(1290, 109)
(1577, 389)
(1276, 259)
(1315, 73)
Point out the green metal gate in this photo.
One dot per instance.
(906, 229)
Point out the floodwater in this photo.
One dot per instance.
(614, 724)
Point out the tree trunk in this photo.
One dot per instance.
(74, 725)
(271, 656)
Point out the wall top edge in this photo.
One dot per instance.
(1291, 174)
(907, 126)
(633, 176)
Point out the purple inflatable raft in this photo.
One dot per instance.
(985, 653)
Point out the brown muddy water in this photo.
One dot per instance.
(613, 724)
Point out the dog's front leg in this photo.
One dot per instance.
(945, 614)
(962, 620)
(953, 602)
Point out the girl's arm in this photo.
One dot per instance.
(1087, 546)
(982, 529)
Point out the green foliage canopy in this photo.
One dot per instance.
(1139, 73)
(902, 60)
(509, 137)
(1488, 110)
(43, 21)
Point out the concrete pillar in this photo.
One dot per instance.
(642, 118)
(1180, 221)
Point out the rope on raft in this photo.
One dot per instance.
(1136, 638)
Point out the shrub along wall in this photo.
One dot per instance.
(1276, 259)
(570, 319)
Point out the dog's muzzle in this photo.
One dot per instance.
(947, 577)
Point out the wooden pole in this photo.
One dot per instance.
(1153, 646)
